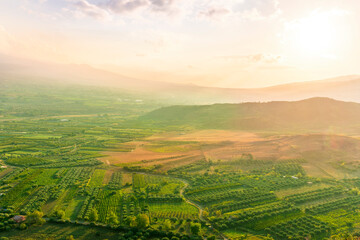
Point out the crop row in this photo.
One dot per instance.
(116, 181)
(37, 200)
(301, 228)
(314, 195)
(88, 204)
(164, 199)
(344, 203)
(173, 214)
(247, 201)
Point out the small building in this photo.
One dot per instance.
(19, 218)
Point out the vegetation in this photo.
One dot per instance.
(278, 116)
(55, 176)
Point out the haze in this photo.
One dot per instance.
(179, 119)
(230, 43)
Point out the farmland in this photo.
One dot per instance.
(94, 170)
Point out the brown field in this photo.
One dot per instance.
(325, 155)
(208, 136)
(126, 178)
(107, 176)
(137, 155)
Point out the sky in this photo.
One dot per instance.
(227, 43)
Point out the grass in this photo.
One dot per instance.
(167, 210)
(56, 204)
(97, 178)
(169, 188)
(74, 207)
(286, 192)
(46, 177)
(40, 136)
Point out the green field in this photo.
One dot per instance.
(54, 165)
(97, 178)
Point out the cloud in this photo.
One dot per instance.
(215, 13)
(103, 10)
(254, 58)
(162, 5)
(208, 9)
(260, 9)
(126, 6)
(123, 6)
(84, 8)
(264, 58)
(253, 10)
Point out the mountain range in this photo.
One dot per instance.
(345, 88)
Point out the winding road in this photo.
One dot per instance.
(199, 207)
(201, 210)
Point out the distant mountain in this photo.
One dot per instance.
(315, 114)
(20, 70)
(77, 74)
(346, 88)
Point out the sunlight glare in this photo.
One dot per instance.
(315, 35)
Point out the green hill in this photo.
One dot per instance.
(315, 114)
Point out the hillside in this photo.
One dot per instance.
(316, 114)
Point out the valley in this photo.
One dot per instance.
(143, 177)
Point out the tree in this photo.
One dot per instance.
(350, 224)
(218, 213)
(36, 218)
(142, 221)
(60, 214)
(195, 228)
(167, 224)
(22, 226)
(93, 216)
(132, 221)
(71, 237)
(205, 213)
(113, 219)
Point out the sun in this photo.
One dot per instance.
(314, 35)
